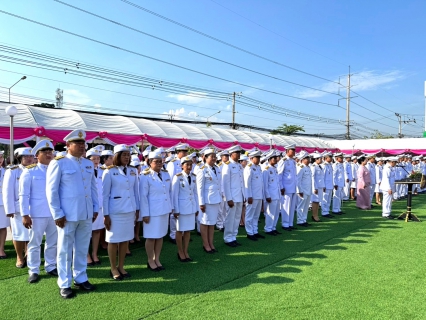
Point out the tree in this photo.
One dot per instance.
(45, 105)
(378, 135)
(288, 130)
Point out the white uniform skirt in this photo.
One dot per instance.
(209, 217)
(157, 227)
(377, 188)
(99, 222)
(317, 197)
(19, 232)
(185, 222)
(4, 221)
(122, 227)
(354, 183)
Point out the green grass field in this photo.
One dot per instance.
(357, 266)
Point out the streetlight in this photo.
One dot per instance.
(11, 111)
(212, 116)
(270, 139)
(23, 78)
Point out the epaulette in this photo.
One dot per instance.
(219, 164)
(202, 167)
(164, 170)
(132, 167)
(179, 174)
(146, 172)
(193, 174)
(102, 168)
(267, 167)
(173, 160)
(13, 167)
(250, 164)
(31, 166)
(227, 162)
(58, 158)
(110, 167)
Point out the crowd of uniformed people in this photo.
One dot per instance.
(104, 197)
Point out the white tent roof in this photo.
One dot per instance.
(63, 119)
(387, 144)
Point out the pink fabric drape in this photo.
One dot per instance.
(385, 151)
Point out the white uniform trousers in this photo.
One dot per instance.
(39, 227)
(372, 189)
(252, 216)
(221, 215)
(288, 208)
(346, 190)
(73, 245)
(326, 202)
(271, 215)
(302, 208)
(172, 226)
(232, 221)
(386, 204)
(337, 199)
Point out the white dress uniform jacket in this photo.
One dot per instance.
(185, 200)
(304, 179)
(253, 181)
(233, 181)
(338, 175)
(120, 190)
(71, 188)
(372, 168)
(348, 171)
(32, 192)
(388, 179)
(174, 167)
(11, 189)
(328, 175)
(317, 177)
(155, 193)
(287, 171)
(2, 172)
(271, 183)
(209, 185)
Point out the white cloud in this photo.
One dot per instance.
(75, 96)
(193, 97)
(97, 105)
(360, 81)
(192, 114)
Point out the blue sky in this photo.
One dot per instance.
(382, 41)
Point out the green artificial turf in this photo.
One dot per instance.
(357, 266)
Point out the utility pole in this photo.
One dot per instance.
(233, 111)
(400, 121)
(348, 105)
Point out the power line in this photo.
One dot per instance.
(192, 50)
(223, 42)
(272, 31)
(158, 60)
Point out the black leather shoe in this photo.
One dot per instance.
(66, 293)
(276, 232)
(258, 235)
(161, 268)
(208, 251)
(329, 216)
(33, 278)
(271, 233)
(251, 237)
(182, 260)
(124, 275)
(152, 269)
(341, 212)
(231, 244)
(293, 228)
(313, 219)
(53, 273)
(115, 278)
(337, 213)
(86, 286)
(129, 254)
(237, 243)
(286, 228)
(390, 217)
(172, 241)
(302, 224)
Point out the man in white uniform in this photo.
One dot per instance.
(253, 184)
(73, 201)
(36, 214)
(348, 177)
(304, 188)
(328, 182)
(288, 179)
(272, 192)
(388, 187)
(233, 191)
(338, 182)
(173, 168)
(20, 234)
(224, 157)
(371, 167)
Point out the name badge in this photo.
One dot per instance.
(115, 174)
(167, 179)
(183, 186)
(88, 167)
(132, 173)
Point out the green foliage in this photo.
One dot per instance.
(45, 105)
(288, 130)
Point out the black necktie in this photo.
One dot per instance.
(125, 170)
(189, 180)
(96, 173)
(159, 175)
(214, 170)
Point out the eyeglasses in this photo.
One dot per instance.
(46, 151)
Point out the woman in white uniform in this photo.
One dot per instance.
(120, 208)
(20, 234)
(185, 203)
(107, 157)
(4, 221)
(318, 185)
(156, 206)
(94, 156)
(209, 182)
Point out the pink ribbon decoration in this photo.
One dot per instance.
(39, 131)
(103, 134)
